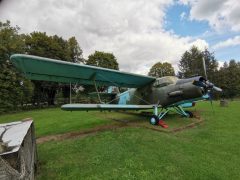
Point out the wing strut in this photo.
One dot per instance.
(70, 93)
(95, 85)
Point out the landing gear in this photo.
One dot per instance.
(182, 112)
(154, 120)
(189, 113)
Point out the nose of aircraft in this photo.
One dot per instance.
(206, 84)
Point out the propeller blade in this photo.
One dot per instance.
(217, 88)
(199, 83)
(204, 67)
(212, 86)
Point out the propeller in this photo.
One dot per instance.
(208, 85)
(204, 67)
(217, 89)
(212, 86)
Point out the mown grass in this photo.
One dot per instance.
(55, 121)
(208, 151)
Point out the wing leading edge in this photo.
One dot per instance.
(87, 107)
(45, 69)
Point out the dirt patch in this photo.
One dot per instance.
(120, 123)
(70, 135)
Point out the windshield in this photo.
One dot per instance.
(165, 81)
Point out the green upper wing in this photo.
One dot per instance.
(39, 68)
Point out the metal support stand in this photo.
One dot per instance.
(181, 111)
(156, 110)
(99, 98)
(163, 112)
(70, 93)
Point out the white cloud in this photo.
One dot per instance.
(220, 64)
(132, 30)
(221, 15)
(227, 43)
(182, 16)
(184, 2)
(201, 44)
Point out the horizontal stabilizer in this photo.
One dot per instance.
(87, 107)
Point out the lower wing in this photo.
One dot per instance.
(87, 107)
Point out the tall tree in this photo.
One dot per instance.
(14, 89)
(161, 69)
(75, 50)
(191, 63)
(229, 79)
(40, 44)
(103, 59)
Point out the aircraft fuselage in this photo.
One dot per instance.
(164, 91)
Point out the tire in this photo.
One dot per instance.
(190, 114)
(154, 120)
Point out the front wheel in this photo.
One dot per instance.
(189, 113)
(154, 120)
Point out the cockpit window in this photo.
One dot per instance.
(165, 81)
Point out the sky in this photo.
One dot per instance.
(138, 32)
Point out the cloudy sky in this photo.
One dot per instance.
(138, 32)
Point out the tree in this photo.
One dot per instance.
(191, 63)
(75, 50)
(229, 79)
(103, 59)
(161, 69)
(40, 44)
(14, 89)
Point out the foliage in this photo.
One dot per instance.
(191, 63)
(75, 51)
(161, 69)
(229, 79)
(103, 59)
(14, 89)
(40, 44)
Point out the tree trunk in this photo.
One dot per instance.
(51, 96)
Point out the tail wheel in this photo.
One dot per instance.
(189, 113)
(154, 120)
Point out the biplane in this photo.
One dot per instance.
(143, 92)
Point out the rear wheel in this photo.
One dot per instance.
(154, 120)
(189, 113)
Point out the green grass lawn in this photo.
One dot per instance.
(55, 121)
(209, 151)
